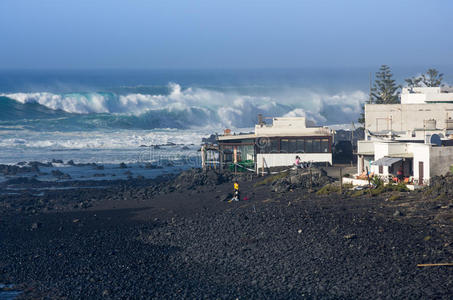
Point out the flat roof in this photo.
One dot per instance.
(365, 153)
(236, 137)
(401, 155)
(253, 136)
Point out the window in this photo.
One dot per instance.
(245, 152)
(300, 146)
(228, 153)
(308, 146)
(284, 146)
(274, 146)
(292, 146)
(381, 170)
(263, 146)
(316, 146)
(325, 145)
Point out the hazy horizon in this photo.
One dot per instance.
(209, 35)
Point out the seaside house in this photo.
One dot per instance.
(413, 139)
(277, 144)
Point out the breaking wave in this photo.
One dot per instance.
(179, 108)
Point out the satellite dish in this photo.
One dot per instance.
(435, 140)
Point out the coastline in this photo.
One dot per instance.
(177, 237)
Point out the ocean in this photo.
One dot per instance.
(140, 116)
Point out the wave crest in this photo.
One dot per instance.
(195, 107)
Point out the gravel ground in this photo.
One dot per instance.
(153, 243)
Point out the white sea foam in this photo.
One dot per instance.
(99, 146)
(121, 139)
(198, 107)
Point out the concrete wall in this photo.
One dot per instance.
(421, 153)
(290, 127)
(365, 147)
(405, 117)
(441, 160)
(382, 149)
(292, 131)
(288, 159)
(425, 95)
(367, 160)
(413, 98)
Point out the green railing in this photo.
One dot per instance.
(242, 166)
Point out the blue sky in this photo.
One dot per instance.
(201, 34)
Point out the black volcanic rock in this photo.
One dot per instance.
(15, 170)
(60, 175)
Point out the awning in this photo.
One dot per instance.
(386, 161)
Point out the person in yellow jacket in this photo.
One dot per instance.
(236, 193)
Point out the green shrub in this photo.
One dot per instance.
(400, 187)
(377, 181)
(347, 186)
(358, 193)
(432, 190)
(441, 197)
(270, 179)
(328, 189)
(378, 190)
(394, 197)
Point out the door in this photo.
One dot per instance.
(420, 173)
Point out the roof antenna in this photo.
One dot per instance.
(260, 120)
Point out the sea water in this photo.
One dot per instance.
(8, 294)
(138, 117)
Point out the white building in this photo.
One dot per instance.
(277, 144)
(422, 111)
(426, 95)
(415, 137)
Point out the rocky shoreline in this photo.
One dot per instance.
(175, 236)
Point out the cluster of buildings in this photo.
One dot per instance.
(413, 139)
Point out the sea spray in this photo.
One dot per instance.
(183, 108)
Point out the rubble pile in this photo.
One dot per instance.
(193, 178)
(440, 187)
(300, 179)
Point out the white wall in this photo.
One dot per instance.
(290, 127)
(367, 160)
(440, 159)
(413, 98)
(425, 94)
(365, 147)
(291, 131)
(421, 152)
(404, 117)
(288, 159)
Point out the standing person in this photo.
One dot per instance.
(236, 193)
(400, 174)
(368, 176)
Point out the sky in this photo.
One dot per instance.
(205, 34)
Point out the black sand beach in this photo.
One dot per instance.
(179, 238)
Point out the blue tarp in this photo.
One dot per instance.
(386, 161)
